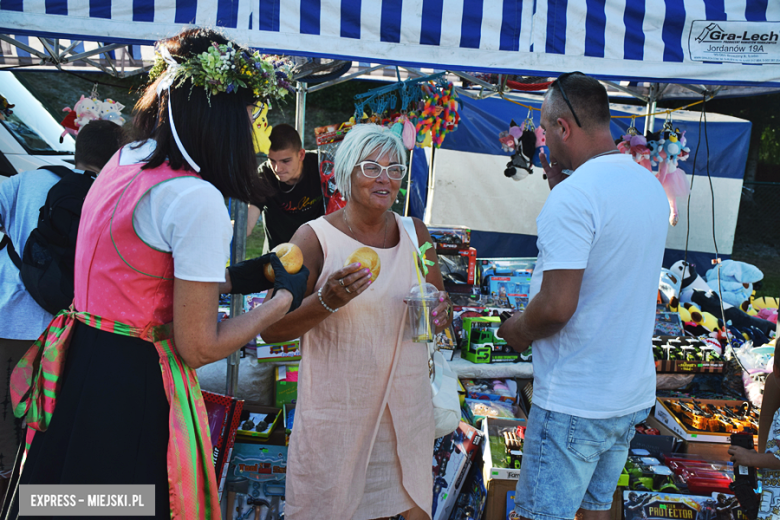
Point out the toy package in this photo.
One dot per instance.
(482, 343)
(685, 354)
(255, 482)
(507, 281)
(480, 409)
(257, 422)
(286, 385)
(458, 267)
(650, 505)
(491, 389)
(224, 414)
(470, 503)
(448, 239)
(452, 458)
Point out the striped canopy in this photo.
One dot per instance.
(670, 41)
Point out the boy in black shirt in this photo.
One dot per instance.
(294, 175)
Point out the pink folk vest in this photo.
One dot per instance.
(117, 275)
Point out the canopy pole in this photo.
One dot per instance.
(651, 105)
(300, 109)
(409, 184)
(431, 185)
(239, 212)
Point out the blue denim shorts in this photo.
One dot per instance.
(571, 462)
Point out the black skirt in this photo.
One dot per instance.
(110, 425)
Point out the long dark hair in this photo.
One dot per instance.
(215, 130)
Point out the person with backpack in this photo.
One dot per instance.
(21, 199)
(123, 404)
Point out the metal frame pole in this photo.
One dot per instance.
(300, 109)
(238, 253)
(651, 105)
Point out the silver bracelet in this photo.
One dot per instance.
(319, 295)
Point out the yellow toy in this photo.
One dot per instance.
(685, 316)
(765, 302)
(261, 132)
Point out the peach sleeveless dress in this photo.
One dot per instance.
(362, 446)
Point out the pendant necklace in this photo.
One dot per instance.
(384, 240)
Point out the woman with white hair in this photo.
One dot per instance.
(362, 445)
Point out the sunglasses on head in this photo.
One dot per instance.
(559, 83)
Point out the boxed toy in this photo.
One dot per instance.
(492, 389)
(224, 414)
(651, 505)
(452, 458)
(507, 281)
(470, 503)
(287, 351)
(447, 239)
(707, 420)
(256, 480)
(684, 354)
(483, 344)
(257, 422)
(459, 267)
(286, 387)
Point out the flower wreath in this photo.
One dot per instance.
(223, 68)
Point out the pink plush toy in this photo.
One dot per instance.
(86, 110)
(673, 178)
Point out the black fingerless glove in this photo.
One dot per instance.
(295, 283)
(247, 277)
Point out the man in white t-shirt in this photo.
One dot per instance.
(601, 242)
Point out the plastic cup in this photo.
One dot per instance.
(420, 305)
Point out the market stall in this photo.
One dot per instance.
(661, 43)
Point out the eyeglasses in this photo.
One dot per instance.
(373, 170)
(559, 83)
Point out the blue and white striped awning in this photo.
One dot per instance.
(679, 41)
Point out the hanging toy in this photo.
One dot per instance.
(69, 123)
(110, 110)
(261, 132)
(541, 146)
(509, 139)
(518, 168)
(528, 139)
(439, 115)
(674, 182)
(409, 134)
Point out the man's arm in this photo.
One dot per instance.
(548, 312)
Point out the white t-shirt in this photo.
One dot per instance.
(185, 216)
(610, 219)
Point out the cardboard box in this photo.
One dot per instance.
(286, 351)
(448, 239)
(667, 442)
(662, 506)
(666, 416)
(286, 385)
(452, 458)
(257, 413)
(482, 345)
(258, 471)
(493, 452)
(224, 414)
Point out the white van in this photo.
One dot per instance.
(30, 137)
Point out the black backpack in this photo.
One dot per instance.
(46, 264)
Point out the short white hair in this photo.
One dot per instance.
(359, 143)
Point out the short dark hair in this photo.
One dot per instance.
(285, 137)
(587, 96)
(97, 142)
(215, 130)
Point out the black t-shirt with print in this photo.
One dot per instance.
(284, 213)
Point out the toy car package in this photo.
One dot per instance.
(507, 281)
(452, 458)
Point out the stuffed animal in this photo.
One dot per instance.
(86, 110)
(110, 110)
(510, 139)
(685, 315)
(736, 280)
(261, 132)
(670, 149)
(689, 280)
(69, 123)
(765, 302)
(709, 302)
(541, 146)
(769, 315)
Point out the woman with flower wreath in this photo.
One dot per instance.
(150, 257)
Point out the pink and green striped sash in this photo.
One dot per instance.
(35, 384)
